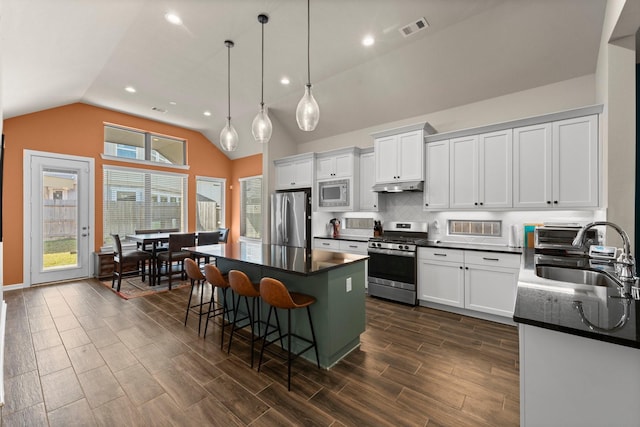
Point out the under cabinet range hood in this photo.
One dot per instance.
(398, 187)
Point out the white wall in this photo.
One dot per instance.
(615, 88)
(565, 95)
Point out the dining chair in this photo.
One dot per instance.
(174, 254)
(135, 257)
(206, 238)
(224, 235)
(159, 247)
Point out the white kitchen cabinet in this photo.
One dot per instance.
(490, 282)
(336, 164)
(341, 245)
(436, 186)
(399, 157)
(369, 200)
(556, 164)
(326, 244)
(481, 171)
(474, 280)
(294, 172)
(441, 276)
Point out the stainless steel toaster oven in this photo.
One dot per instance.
(561, 237)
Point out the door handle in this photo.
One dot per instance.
(84, 234)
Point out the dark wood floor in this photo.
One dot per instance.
(77, 354)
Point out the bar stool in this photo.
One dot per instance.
(244, 288)
(275, 293)
(197, 278)
(217, 280)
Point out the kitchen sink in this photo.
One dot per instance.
(575, 275)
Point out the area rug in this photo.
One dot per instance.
(134, 287)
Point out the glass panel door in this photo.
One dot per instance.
(59, 243)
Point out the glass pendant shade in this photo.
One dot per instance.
(229, 137)
(307, 113)
(261, 127)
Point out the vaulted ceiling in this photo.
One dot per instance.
(56, 52)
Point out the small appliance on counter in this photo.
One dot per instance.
(335, 223)
(559, 237)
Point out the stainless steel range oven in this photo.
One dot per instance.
(392, 261)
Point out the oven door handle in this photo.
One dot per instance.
(392, 252)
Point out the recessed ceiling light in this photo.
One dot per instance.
(173, 18)
(172, 102)
(368, 40)
(285, 80)
(130, 89)
(207, 113)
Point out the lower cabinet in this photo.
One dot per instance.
(475, 280)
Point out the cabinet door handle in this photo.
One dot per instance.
(326, 244)
(436, 254)
(481, 203)
(555, 202)
(466, 268)
(548, 202)
(353, 246)
(490, 259)
(476, 203)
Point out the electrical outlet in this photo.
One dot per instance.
(349, 284)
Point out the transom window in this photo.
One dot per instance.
(144, 146)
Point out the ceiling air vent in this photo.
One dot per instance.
(159, 110)
(414, 27)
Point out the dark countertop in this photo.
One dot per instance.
(550, 304)
(285, 258)
(345, 237)
(472, 247)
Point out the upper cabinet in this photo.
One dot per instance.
(336, 164)
(295, 171)
(399, 154)
(548, 161)
(556, 164)
(436, 186)
(368, 198)
(480, 171)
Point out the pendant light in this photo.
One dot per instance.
(308, 113)
(261, 127)
(229, 136)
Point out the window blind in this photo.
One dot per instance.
(251, 207)
(136, 199)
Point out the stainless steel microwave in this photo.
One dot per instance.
(334, 193)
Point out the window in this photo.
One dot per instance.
(136, 199)
(139, 145)
(209, 203)
(251, 207)
(475, 228)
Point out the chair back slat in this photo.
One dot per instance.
(181, 240)
(118, 244)
(224, 235)
(208, 238)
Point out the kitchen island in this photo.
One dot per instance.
(336, 280)
(579, 348)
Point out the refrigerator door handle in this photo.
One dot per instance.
(285, 212)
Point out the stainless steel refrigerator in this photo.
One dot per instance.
(291, 218)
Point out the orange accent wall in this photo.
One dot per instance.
(78, 129)
(242, 168)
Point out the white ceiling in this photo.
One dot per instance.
(56, 52)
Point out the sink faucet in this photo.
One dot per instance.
(627, 274)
